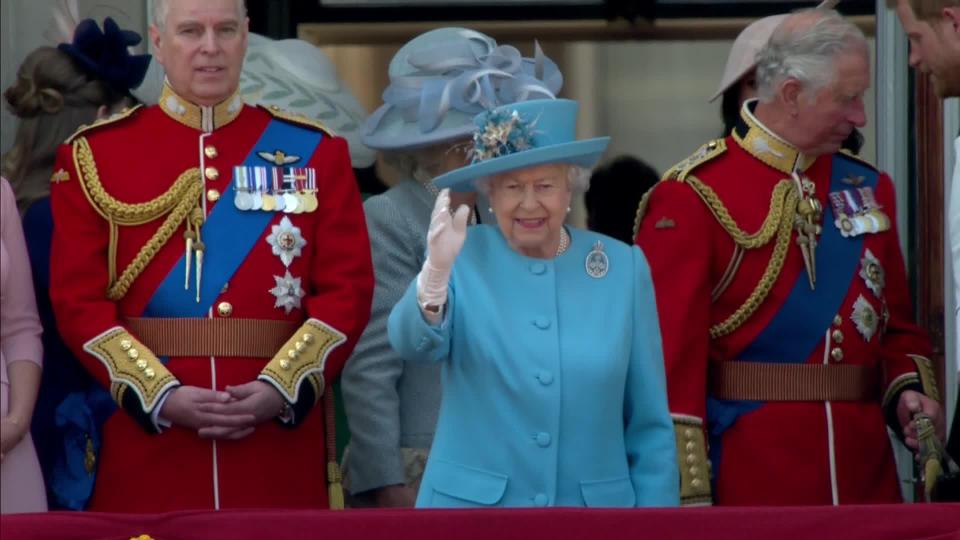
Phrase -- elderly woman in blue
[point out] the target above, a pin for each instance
(553, 380)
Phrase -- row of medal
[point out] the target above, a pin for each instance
(857, 212)
(292, 190)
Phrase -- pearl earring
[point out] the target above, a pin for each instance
(568, 209)
(490, 209)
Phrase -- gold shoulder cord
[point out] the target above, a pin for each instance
(779, 222)
(176, 203)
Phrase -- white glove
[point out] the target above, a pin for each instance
(444, 240)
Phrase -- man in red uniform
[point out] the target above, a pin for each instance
(213, 272)
(783, 301)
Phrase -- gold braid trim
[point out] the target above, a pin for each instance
(170, 225)
(771, 223)
(120, 212)
(770, 275)
(641, 210)
(176, 203)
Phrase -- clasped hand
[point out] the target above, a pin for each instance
(232, 414)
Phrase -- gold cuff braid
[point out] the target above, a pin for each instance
(302, 357)
(928, 377)
(692, 460)
(131, 366)
(176, 203)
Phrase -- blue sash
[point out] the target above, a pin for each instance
(805, 316)
(228, 234)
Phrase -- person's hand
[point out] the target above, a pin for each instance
(911, 403)
(444, 241)
(396, 496)
(189, 407)
(256, 401)
(12, 431)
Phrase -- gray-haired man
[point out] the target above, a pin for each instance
(795, 316)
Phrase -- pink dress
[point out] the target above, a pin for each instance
(21, 482)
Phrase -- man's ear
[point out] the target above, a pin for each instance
(155, 42)
(790, 93)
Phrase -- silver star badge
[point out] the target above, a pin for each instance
(286, 241)
(865, 318)
(872, 273)
(288, 292)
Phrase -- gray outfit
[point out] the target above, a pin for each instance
(390, 404)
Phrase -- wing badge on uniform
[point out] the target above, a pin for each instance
(60, 176)
(278, 157)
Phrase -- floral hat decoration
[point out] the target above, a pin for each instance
(521, 135)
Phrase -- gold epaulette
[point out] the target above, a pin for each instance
(679, 173)
(112, 119)
(298, 119)
(706, 152)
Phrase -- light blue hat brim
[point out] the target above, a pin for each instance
(583, 153)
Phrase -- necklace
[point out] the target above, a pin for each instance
(564, 241)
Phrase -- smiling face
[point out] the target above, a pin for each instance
(530, 206)
(201, 46)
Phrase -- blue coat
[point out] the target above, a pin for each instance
(553, 381)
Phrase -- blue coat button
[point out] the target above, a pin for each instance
(541, 500)
(538, 268)
(545, 378)
(543, 439)
(542, 323)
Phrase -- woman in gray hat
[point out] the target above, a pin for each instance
(438, 82)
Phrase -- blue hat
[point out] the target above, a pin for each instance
(105, 54)
(524, 135)
(441, 79)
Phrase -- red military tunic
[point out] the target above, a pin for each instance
(105, 173)
(714, 301)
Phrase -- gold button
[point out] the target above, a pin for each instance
(150, 373)
(695, 482)
(691, 459)
(141, 365)
(133, 354)
(712, 144)
(126, 344)
(694, 471)
(224, 309)
(837, 336)
(688, 433)
(690, 447)
(211, 173)
(210, 151)
(299, 346)
(213, 195)
(292, 354)
(285, 364)
(837, 320)
(837, 355)
(308, 338)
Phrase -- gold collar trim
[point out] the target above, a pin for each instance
(199, 117)
(765, 145)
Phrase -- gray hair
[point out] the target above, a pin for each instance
(804, 47)
(161, 8)
(578, 180)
